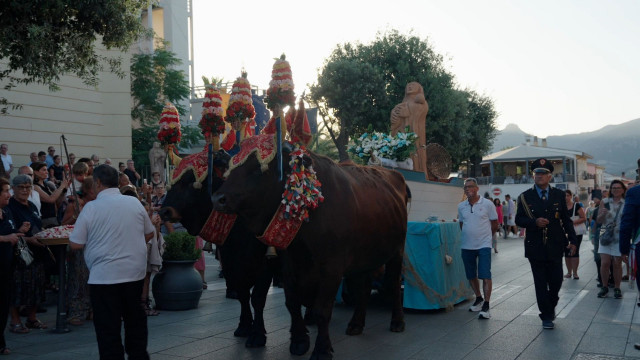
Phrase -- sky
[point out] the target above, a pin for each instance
(551, 67)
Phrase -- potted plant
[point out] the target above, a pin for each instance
(178, 286)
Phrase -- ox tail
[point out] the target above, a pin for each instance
(407, 198)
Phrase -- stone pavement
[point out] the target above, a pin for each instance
(587, 327)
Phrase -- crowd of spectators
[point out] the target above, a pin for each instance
(48, 192)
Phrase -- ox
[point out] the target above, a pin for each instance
(242, 256)
(360, 226)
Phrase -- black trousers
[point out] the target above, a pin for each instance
(5, 294)
(547, 278)
(113, 304)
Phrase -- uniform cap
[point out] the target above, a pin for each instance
(542, 165)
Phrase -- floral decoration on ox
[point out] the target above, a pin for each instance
(212, 122)
(302, 191)
(381, 145)
(240, 110)
(169, 132)
(280, 92)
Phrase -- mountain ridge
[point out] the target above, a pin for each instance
(616, 147)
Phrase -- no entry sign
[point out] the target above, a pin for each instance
(497, 191)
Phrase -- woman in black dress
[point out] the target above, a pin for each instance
(9, 235)
(28, 281)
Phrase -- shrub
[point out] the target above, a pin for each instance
(180, 246)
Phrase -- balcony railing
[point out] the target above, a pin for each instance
(522, 179)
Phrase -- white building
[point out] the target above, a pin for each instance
(93, 120)
(509, 171)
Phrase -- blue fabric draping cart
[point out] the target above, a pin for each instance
(429, 282)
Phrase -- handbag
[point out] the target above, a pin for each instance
(23, 253)
(580, 229)
(607, 232)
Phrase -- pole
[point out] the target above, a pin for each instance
(76, 209)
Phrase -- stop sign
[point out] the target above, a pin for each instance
(497, 192)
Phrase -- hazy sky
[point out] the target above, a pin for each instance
(551, 67)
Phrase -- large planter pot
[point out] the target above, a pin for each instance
(177, 286)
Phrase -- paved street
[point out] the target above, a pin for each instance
(587, 327)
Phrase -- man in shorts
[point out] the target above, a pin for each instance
(478, 221)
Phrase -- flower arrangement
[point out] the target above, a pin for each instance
(212, 123)
(169, 132)
(280, 92)
(302, 190)
(240, 103)
(381, 145)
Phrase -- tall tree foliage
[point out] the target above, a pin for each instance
(360, 84)
(154, 81)
(43, 40)
(481, 115)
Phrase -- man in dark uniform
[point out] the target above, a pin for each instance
(542, 210)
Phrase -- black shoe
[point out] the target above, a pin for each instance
(637, 346)
(477, 305)
(603, 292)
(548, 324)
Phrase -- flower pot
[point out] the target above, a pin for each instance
(177, 286)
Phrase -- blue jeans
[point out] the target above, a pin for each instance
(477, 263)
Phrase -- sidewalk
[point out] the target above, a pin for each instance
(586, 328)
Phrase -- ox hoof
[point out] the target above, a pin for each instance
(256, 340)
(242, 331)
(397, 326)
(299, 347)
(353, 330)
(321, 356)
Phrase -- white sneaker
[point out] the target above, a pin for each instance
(485, 313)
(477, 305)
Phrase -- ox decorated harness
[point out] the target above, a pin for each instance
(302, 191)
(218, 225)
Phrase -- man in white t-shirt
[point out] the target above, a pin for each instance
(478, 221)
(6, 159)
(113, 230)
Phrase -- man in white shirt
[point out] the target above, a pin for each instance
(478, 221)
(113, 230)
(511, 228)
(6, 159)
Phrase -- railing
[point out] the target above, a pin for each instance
(199, 91)
(521, 179)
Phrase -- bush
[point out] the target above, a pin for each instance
(180, 246)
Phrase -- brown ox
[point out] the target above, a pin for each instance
(360, 226)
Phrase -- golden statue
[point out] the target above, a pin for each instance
(412, 112)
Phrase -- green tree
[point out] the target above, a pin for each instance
(387, 65)
(41, 41)
(154, 81)
(481, 116)
(345, 97)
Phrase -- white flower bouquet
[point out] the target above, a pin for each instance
(380, 145)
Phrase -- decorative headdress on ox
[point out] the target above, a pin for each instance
(240, 113)
(280, 92)
(212, 122)
(169, 132)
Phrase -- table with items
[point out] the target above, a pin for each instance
(434, 276)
